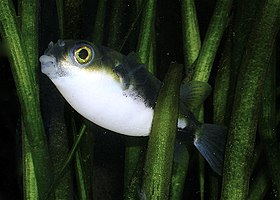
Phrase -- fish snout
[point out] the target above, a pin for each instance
(48, 61)
(48, 64)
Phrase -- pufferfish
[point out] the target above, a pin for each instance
(117, 93)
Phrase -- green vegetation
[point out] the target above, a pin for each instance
(159, 157)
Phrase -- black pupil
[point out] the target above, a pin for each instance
(83, 54)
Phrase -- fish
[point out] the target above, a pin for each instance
(118, 93)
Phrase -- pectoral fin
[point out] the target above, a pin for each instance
(193, 94)
(131, 72)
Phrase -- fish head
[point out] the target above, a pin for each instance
(68, 58)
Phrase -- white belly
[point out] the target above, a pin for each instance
(100, 99)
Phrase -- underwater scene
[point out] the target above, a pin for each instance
(139, 100)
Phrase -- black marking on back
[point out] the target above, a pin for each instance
(143, 82)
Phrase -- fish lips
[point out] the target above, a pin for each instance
(50, 67)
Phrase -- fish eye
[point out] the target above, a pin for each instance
(83, 54)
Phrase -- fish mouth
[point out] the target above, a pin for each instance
(47, 61)
(48, 65)
(51, 67)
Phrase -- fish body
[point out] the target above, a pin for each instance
(115, 92)
(101, 92)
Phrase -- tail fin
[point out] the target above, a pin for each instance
(210, 141)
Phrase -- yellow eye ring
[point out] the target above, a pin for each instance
(83, 55)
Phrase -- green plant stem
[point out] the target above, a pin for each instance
(116, 20)
(138, 4)
(241, 28)
(27, 94)
(225, 80)
(84, 164)
(267, 126)
(134, 150)
(29, 179)
(145, 36)
(214, 187)
(191, 39)
(243, 123)
(60, 15)
(132, 27)
(29, 26)
(201, 162)
(223, 89)
(179, 172)
(83, 191)
(191, 36)
(134, 159)
(132, 179)
(151, 66)
(218, 23)
(131, 155)
(222, 93)
(67, 161)
(72, 25)
(159, 157)
(59, 147)
(29, 30)
(231, 58)
(259, 186)
(98, 31)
